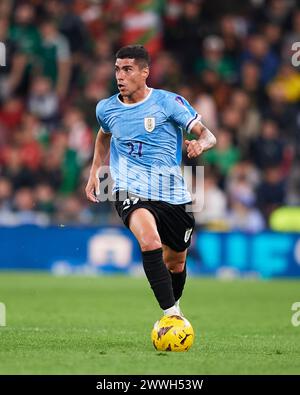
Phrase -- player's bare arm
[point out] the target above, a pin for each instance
(206, 140)
(101, 151)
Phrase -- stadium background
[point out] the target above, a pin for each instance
(233, 61)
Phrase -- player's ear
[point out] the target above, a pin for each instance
(145, 72)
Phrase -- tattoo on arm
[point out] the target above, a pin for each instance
(206, 138)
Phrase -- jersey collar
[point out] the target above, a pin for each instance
(137, 103)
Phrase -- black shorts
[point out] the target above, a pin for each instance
(175, 225)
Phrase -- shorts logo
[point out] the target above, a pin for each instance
(149, 124)
(187, 235)
(130, 201)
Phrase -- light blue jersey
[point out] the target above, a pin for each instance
(146, 144)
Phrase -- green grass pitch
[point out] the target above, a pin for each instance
(102, 325)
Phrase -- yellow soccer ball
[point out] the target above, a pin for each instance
(172, 333)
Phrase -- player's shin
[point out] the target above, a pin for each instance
(178, 282)
(159, 278)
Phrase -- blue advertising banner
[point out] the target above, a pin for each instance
(65, 250)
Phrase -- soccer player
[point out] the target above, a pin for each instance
(142, 128)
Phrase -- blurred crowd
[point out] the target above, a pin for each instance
(231, 61)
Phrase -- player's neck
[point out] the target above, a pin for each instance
(137, 96)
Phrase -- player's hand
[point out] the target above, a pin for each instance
(92, 188)
(193, 148)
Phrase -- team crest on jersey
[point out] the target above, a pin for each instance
(149, 124)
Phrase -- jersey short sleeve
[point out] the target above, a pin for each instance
(100, 115)
(181, 112)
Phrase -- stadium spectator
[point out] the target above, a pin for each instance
(233, 31)
(273, 34)
(11, 74)
(268, 149)
(25, 35)
(242, 214)
(250, 75)
(287, 81)
(67, 162)
(6, 196)
(249, 119)
(204, 102)
(259, 52)
(6, 192)
(243, 170)
(10, 117)
(50, 170)
(284, 113)
(79, 134)
(43, 102)
(214, 59)
(225, 155)
(44, 196)
(54, 57)
(186, 41)
(293, 186)
(30, 149)
(271, 192)
(69, 211)
(24, 209)
(213, 214)
(14, 169)
(275, 12)
(166, 71)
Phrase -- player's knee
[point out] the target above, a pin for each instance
(149, 242)
(176, 267)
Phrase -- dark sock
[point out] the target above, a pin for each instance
(159, 277)
(178, 281)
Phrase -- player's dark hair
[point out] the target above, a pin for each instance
(136, 52)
